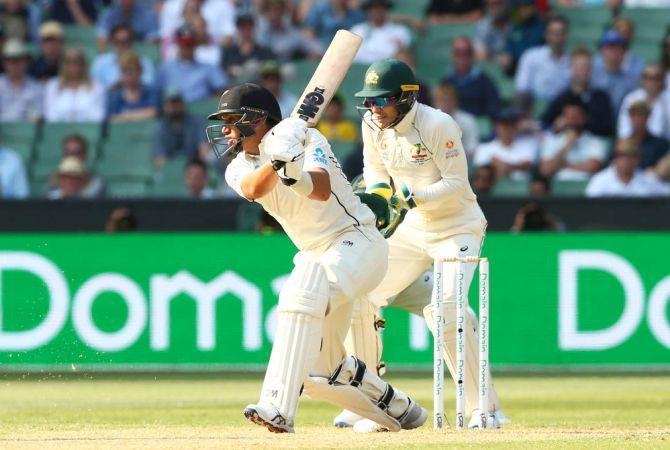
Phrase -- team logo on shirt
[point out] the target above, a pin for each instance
(320, 156)
(419, 153)
(449, 145)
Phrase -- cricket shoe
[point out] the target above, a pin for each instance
(413, 418)
(346, 419)
(492, 423)
(268, 417)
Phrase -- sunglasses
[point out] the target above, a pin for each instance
(379, 102)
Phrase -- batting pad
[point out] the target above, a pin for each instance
(471, 354)
(364, 339)
(302, 306)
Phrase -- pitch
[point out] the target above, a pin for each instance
(204, 411)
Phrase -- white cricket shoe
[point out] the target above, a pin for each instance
(346, 419)
(498, 418)
(268, 417)
(415, 417)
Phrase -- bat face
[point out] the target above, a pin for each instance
(312, 103)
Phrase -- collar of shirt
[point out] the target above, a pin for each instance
(474, 73)
(408, 121)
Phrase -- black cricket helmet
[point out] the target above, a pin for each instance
(244, 106)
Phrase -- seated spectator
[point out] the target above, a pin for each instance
(491, 31)
(626, 29)
(325, 17)
(13, 177)
(624, 178)
(610, 71)
(242, 55)
(196, 178)
(271, 79)
(334, 126)
(381, 38)
(73, 96)
(665, 56)
(453, 11)
(76, 146)
(600, 120)
(544, 71)
(408, 56)
(572, 153)
(477, 93)
(445, 98)
(132, 99)
(80, 12)
(652, 148)
(20, 95)
(534, 217)
(106, 69)
(140, 16)
(656, 97)
(527, 31)
(121, 220)
(219, 16)
(483, 180)
(72, 179)
(52, 44)
(207, 51)
(195, 81)
(539, 185)
(19, 19)
(287, 42)
(178, 133)
(510, 154)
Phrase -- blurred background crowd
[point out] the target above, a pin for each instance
(108, 98)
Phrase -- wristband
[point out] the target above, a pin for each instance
(304, 186)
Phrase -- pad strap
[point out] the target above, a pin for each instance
(386, 399)
(357, 380)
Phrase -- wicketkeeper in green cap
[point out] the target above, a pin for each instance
(413, 156)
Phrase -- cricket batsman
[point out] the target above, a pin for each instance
(291, 171)
(413, 156)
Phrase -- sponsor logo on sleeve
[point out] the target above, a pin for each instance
(320, 156)
(452, 150)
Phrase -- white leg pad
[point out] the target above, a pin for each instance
(364, 339)
(301, 309)
(471, 354)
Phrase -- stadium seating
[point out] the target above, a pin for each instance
(169, 182)
(507, 187)
(84, 37)
(20, 137)
(121, 188)
(568, 188)
(49, 145)
(434, 49)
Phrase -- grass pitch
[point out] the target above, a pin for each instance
(205, 411)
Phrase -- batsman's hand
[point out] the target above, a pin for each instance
(286, 147)
(405, 198)
(290, 130)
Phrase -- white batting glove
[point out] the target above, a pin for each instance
(290, 129)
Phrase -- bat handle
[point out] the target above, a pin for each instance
(278, 165)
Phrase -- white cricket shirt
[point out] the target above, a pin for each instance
(308, 223)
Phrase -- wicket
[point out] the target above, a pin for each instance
(461, 320)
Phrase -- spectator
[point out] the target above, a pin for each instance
(19, 19)
(140, 16)
(539, 185)
(196, 177)
(652, 148)
(325, 17)
(510, 153)
(52, 42)
(381, 38)
(121, 220)
(13, 178)
(665, 56)
(454, 11)
(80, 12)
(73, 96)
(334, 126)
(219, 16)
(656, 97)
(271, 79)
(626, 29)
(105, 68)
(131, 99)
(572, 153)
(545, 71)
(600, 120)
(534, 217)
(527, 31)
(477, 93)
(242, 55)
(624, 178)
(195, 81)
(208, 51)
(408, 56)
(491, 31)
(483, 180)
(610, 71)
(178, 133)
(276, 32)
(445, 98)
(72, 179)
(76, 146)
(20, 95)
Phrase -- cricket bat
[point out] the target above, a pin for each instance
(327, 77)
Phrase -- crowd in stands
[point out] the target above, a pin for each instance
(545, 104)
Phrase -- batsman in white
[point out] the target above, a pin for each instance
(418, 149)
(291, 171)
